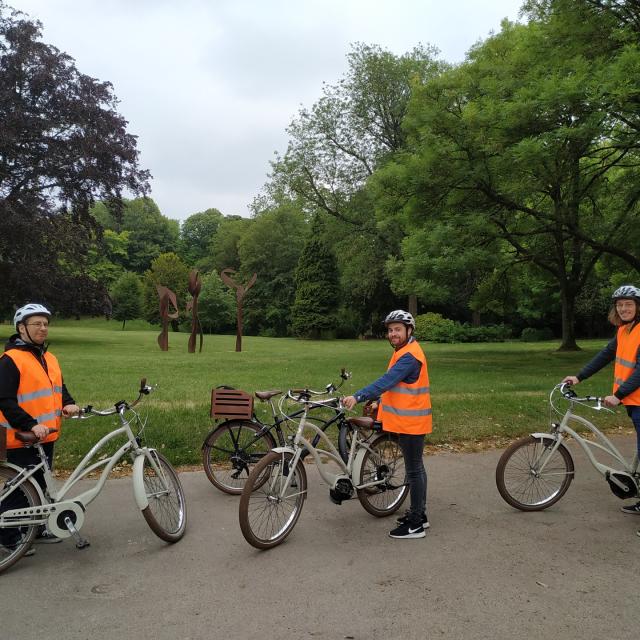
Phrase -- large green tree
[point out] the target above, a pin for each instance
(62, 145)
(126, 296)
(522, 135)
(196, 234)
(313, 313)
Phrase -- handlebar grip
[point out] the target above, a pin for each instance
(143, 386)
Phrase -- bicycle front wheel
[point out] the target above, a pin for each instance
(231, 450)
(270, 509)
(383, 463)
(531, 476)
(15, 541)
(167, 510)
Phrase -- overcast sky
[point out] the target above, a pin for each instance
(209, 86)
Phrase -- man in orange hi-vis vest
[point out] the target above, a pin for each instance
(33, 397)
(625, 350)
(404, 407)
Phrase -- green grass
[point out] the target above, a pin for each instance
(479, 391)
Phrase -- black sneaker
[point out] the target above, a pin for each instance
(407, 531)
(405, 519)
(633, 509)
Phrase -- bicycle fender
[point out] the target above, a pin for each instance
(138, 484)
(36, 485)
(543, 436)
(284, 450)
(357, 465)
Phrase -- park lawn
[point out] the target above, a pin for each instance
(479, 392)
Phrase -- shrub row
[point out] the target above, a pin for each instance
(433, 327)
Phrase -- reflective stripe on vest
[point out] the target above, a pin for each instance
(626, 359)
(39, 393)
(406, 408)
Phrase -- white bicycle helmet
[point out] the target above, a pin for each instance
(29, 310)
(626, 292)
(400, 316)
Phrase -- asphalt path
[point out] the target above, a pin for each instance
(484, 570)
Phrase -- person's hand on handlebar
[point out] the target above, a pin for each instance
(611, 401)
(70, 410)
(349, 402)
(570, 380)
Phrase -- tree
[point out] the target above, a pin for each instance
(62, 146)
(223, 248)
(126, 296)
(317, 294)
(216, 305)
(196, 235)
(271, 247)
(149, 233)
(521, 134)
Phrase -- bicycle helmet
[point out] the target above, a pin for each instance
(29, 310)
(400, 316)
(626, 292)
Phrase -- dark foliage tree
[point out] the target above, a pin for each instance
(62, 145)
(126, 295)
(317, 292)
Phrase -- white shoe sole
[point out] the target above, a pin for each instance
(409, 536)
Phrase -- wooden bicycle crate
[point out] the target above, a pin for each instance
(231, 403)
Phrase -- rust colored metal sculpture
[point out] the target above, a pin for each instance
(241, 291)
(166, 297)
(195, 286)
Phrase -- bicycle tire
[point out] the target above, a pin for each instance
(266, 518)
(518, 482)
(383, 460)
(166, 514)
(226, 454)
(29, 498)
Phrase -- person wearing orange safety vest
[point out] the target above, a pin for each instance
(625, 350)
(33, 397)
(404, 407)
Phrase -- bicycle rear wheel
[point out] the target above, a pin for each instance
(383, 461)
(167, 510)
(230, 451)
(16, 541)
(530, 476)
(267, 512)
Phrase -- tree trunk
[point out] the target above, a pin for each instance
(568, 299)
(413, 305)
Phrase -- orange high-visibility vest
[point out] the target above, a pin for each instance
(407, 407)
(626, 358)
(39, 393)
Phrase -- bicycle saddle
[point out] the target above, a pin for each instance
(267, 395)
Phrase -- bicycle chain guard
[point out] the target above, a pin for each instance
(630, 488)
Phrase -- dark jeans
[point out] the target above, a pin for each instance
(412, 450)
(23, 457)
(634, 413)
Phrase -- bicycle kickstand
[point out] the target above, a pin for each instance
(81, 543)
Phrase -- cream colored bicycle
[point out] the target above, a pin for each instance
(24, 507)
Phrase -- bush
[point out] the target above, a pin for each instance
(530, 334)
(432, 327)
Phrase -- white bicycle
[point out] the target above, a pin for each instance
(536, 471)
(275, 491)
(24, 507)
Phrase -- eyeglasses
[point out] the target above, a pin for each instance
(39, 325)
(626, 305)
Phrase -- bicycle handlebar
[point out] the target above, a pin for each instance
(89, 411)
(569, 394)
(330, 388)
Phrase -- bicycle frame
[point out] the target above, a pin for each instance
(57, 495)
(559, 432)
(349, 470)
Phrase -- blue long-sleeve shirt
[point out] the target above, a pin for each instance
(407, 369)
